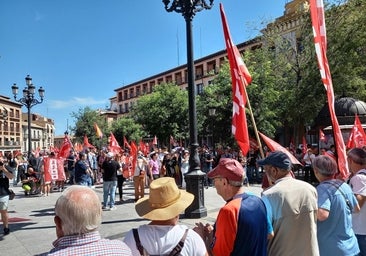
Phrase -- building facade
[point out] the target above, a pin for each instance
(207, 68)
(14, 129)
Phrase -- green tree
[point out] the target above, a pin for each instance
(84, 125)
(127, 127)
(164, 112)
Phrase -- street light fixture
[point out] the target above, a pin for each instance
(194, 177)
(28, 101)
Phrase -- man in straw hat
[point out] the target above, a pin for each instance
(163, 234)
(293, 209)
(242, 226)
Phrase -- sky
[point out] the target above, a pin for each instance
(80, 51)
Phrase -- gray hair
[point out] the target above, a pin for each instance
(325, 165)
(80, 210)
(236, 183)
(358, 155)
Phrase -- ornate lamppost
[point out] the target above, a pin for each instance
(28, 101)
(194, 177)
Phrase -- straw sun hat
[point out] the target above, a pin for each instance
(165, 200)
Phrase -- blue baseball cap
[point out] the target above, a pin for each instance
(276, 159)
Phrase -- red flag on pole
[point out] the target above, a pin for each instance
(357, 137)
(98, 132)
(273, 146)
(320, 40)
(65, 147)
(125, 143)
(240, 78)
(113, 144)
(86, 143)
(133, 154)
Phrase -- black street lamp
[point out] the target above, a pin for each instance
(194, 178)
(28, 101)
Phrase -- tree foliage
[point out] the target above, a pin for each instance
(84, 125)
(128, 128)
(164, 112)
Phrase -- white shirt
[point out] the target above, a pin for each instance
(159, 240)
(358, 185)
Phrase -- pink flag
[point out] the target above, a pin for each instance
(320, 40)
(240, 78)
(273, 146)
(357, 137)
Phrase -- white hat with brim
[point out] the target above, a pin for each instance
(165, 200)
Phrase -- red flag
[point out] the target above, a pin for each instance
(322, 136)
(78, 147)
(98, 132)
(357, 137)
(240, 78)
(125, 143)
(65, 147)
(53, 169)
(133, 155)
(272, 145)
(113, 145)
(155, 141)
(86, 143)
(143, 148)
(304, 145)
(320, 40)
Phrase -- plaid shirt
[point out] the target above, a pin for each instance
(88, 244)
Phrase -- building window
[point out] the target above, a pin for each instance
(125, 95)
(126, 107)
(120, 96)
(199, 88)
(178, 78)
(199, 71)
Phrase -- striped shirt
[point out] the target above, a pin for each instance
(88, 244)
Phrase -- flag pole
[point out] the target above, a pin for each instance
(253, 122)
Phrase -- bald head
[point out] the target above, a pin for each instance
(79, 210)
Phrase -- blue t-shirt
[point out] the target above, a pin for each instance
(253, 227)
(335, 234)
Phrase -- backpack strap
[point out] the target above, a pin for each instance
(178, 248)
(137, 240)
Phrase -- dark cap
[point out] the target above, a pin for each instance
(228, 168)
(277, 159)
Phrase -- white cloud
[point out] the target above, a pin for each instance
(75, 102)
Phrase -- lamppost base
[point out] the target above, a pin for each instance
(194, 181)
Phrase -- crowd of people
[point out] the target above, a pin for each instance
(292, 216)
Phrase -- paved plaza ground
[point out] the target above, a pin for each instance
(32, 230)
